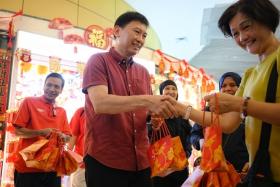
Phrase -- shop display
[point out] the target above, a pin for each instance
(33, 61)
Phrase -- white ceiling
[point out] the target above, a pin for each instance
(188, 30)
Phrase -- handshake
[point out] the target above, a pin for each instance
(164, 107)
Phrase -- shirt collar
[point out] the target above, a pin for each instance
(120, 59)
(46, 101)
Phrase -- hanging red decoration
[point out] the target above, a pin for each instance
(202, 71)
(161, 66)
(24, 55)
(204, 81)
(73, 39)
(210, 86)
(11, 27)
(25, 67)
(96, 36)
(54, 64)
(186, 72)
(193, 80)
(180, 70)
(42, 70)
(60, 24)
(171, 70)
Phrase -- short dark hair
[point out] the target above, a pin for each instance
(130, 16)
(56, 75)
(262, 11)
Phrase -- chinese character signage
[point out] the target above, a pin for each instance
(5, 70)
(96, 36)
(54, 64)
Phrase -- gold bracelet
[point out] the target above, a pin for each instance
(188, 112)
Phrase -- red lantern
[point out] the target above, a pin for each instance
(193, 80)
(161, 66)
(186, 72)
(73, 39)
(171, 70)
(180, 70)
(60, 24)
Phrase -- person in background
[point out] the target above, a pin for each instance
(118, 98)
(177, 127)
(77, 125)
(233, 144)
(37, 117)
(252, 25)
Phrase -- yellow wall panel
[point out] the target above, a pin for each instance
(10, 5)
(87, 18)
(51, 9)
(106, 8)
(89, 12)
(74, 1)
(152, 40)
(122, 7)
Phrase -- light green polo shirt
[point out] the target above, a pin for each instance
(254, 84)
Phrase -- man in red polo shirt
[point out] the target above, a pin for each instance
(77, 125)
(118, 97)
(39, 116)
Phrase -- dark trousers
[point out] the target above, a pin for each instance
(42, 179)
(98, 175)
(175, 179)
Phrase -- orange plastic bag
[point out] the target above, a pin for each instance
(66, 164)
(29, 152)
(166, 154)
(215, 170)
(43, 154)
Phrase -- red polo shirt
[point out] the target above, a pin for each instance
(36, 113)
(77, 125)
(120, 140)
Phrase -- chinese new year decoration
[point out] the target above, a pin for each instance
(42, 70)
(24, 58)
(74, 39)
(80, 68)
(54, 64)
(60, 24)
(5, 71)
(96, 36)
(187, 73)
(11, 27)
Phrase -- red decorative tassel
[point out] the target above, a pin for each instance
(10, 34)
